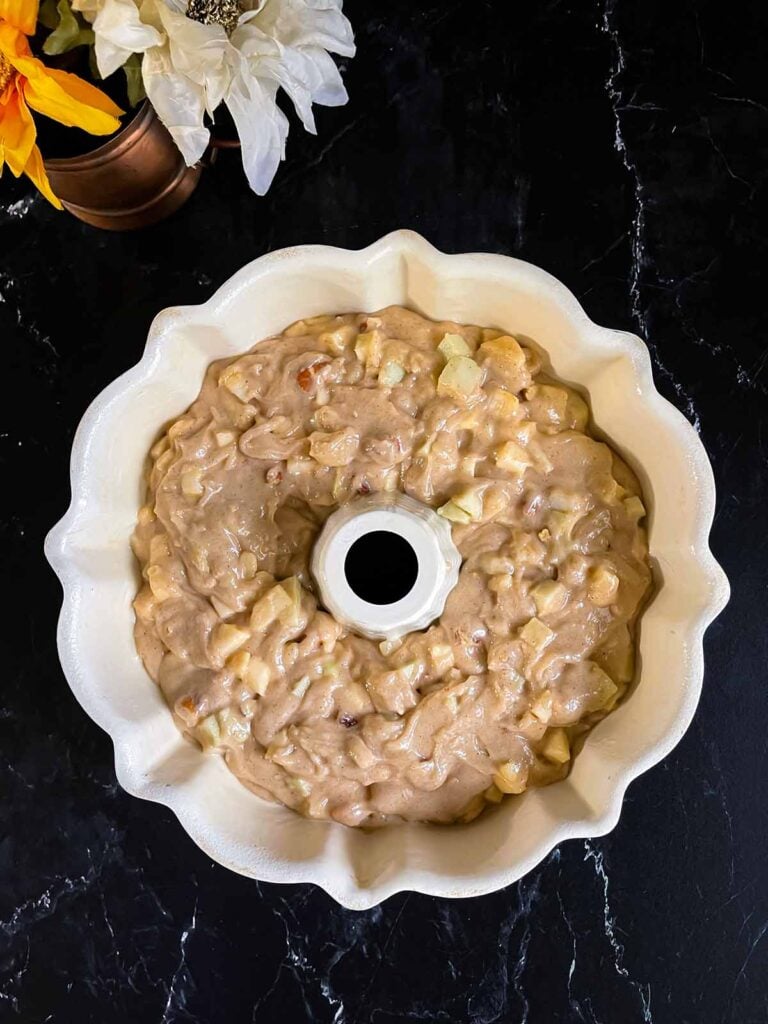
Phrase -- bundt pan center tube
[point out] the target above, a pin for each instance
(384, 565)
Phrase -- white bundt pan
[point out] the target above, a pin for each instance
(89, 550)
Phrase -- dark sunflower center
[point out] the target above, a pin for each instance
(215, 12)
(6, 72)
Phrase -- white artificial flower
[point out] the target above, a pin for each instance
(118, 31)
(186, 76)
(200, 53)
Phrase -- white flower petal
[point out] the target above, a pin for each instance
(202, 53)
(308, 75)
(119, 32)
(109, 57)
(180, 104)
(262, 128)
(87, 7)
(269, 61)
(307, 23)
(323, 79)
(250, 41)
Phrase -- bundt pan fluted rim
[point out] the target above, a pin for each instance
(89, 550)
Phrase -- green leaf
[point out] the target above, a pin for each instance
(48, 15)
(69, 32)
(133, 79)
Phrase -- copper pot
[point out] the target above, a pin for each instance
(135, 179)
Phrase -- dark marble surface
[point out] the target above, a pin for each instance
(622, 146)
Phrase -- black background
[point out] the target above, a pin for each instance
(621, 147)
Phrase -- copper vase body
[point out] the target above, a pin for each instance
(135, 179)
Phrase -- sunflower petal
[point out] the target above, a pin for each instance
(22, 14)
(84, 92)
(67, 98)
(17, 132)
(13, 43)
(35, 171)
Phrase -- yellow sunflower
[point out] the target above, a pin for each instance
(26, 82)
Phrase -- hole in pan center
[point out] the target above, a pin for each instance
(381, 567)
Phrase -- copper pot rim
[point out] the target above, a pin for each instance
(119, 144)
